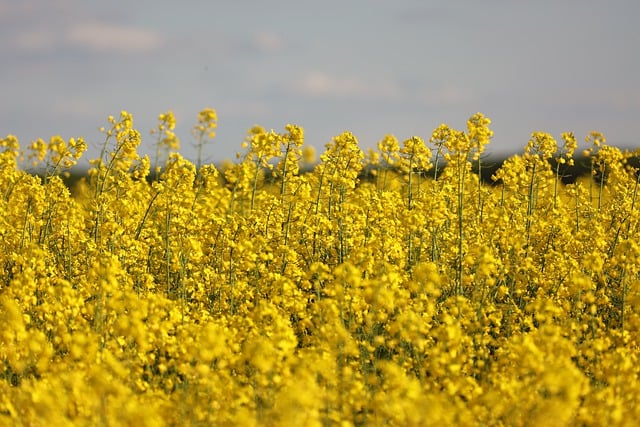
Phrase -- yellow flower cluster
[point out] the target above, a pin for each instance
(393, 288)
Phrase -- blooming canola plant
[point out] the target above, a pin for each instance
(163, 292)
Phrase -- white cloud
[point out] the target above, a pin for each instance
(106, 38)
(76, 106)
(321, 85)
(16, 10)
(269, 42)
(449, 95)
(34, 41)
(623, 100)
(235, 108)
(32, 33)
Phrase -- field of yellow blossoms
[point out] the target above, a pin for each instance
(388, 287)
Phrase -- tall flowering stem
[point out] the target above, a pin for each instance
(540, 148)
(564, 157)
(458, 147)
(479, 137)
(415, 162)
(204, 131)
(166, 139)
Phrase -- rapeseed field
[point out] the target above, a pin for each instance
(387, 287)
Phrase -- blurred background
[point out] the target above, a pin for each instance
(372, 67)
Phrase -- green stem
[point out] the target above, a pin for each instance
(461, 176)
(284, 172)
(480, 187)
(167, 243)
(601, 187)
(530, 202)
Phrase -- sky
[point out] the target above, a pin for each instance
(372, 67)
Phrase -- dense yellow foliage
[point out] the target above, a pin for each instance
(255, 294)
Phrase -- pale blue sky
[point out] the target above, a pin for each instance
(372, 67)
